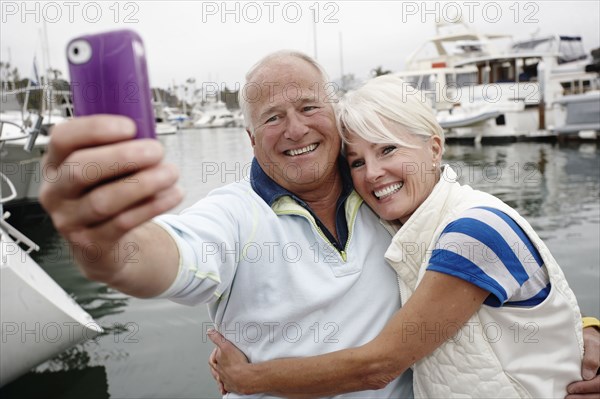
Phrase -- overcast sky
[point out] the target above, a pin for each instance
(217, 43)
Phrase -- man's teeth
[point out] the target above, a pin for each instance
(301, 151)
(389, 190)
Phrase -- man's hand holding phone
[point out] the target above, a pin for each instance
(101, 189)
(100, 185)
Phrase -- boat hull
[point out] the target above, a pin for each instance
(23, 169)
(39, 319)
(579, 116)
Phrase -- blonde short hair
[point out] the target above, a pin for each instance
(386, 98)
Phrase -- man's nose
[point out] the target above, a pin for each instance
(296, 127)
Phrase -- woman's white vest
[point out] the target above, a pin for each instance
(506, 352)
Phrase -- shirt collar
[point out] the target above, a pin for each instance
(270, 191)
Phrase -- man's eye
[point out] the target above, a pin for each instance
(272, 119)
(309, 108)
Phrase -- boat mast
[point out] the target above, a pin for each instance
(341, 58)
(314, 20)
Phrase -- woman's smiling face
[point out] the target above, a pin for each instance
(394, 179)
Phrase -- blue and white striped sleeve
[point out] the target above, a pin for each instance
(487, 248)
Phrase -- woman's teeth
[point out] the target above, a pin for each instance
(301, 151)
(389, 190)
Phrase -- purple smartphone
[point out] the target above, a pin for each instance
(109, 76)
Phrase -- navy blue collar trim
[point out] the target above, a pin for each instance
(270, 191)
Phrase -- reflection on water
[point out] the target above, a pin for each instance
(158, 349)
(557, 188)
(539, 180)
(75, 358)
(86, 383)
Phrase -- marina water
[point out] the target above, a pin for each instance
(155, 348)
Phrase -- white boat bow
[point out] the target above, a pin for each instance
(39, 319)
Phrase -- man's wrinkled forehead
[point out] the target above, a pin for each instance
(268, 92)
(291, 78)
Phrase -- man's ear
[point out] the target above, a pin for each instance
(251, 137)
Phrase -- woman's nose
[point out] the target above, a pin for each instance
(374, 171)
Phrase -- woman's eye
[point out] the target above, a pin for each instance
(388, 149)
(357, 163)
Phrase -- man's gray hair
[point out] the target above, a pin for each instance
(276, 56)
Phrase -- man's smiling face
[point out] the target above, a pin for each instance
(294, 136)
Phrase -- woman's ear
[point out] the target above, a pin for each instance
(436, 148)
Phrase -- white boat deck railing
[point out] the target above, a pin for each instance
(16, 234)
(16, 137)
(30, 134)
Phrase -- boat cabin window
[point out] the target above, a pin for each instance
(483, 74)
(507, 71)
(570, 49)
(413, 81)
(466, 79)
(495, 72)
(503, 72)
(577, 86)
(529, 72)
(421, 82)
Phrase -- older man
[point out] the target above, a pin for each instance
(290, 263)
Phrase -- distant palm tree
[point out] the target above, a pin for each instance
(379, 71)
(7, 76)
(15, 75)
(4, 71)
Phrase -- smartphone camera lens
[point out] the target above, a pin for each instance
(79, 52)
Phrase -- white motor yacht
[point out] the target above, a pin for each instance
(162, 124)
(431, 68)
(515, 92)
(215, 114)
(577, 111)
(176, 117)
